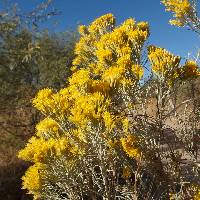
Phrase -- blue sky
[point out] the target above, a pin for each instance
(73, 12)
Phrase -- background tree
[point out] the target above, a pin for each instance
(31, 58)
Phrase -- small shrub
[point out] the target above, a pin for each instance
(98, 140)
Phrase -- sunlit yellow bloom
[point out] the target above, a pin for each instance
(104, 71)
(189, 70)
(125, 59)
(176, 22)
(39, 149)
(196, 189)
(43, 99)
(77, 62)
(75, 92)
(129, 145)
(102, 24)
(52, 103)
(79, 134)
(129, 24)
(99, 86)
(88, 107)
(36, 150)
(138, 71)
(144, 26)
(80, 78)
(47, 128)
(104, 56)
(83, 30)
(138, 36)
(113, 143)
(109, 120)
(103, 46)
(81, 46)
(126, 124)
(62, 146)
(181, 9)
(163, 62)
(114, 74)
(32, 179)
(61, 103)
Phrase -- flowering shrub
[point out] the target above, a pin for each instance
(98, 140)
(184, 13)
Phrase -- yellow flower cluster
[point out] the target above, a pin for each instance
(43, 100)
(114, 75)
(102, 25)
(108, 61)
(138, 71)
(130, 146)
(88, 108)
(180, 9)
(189, 70)
(107, 57)
(38, 150)
(80, 78)
(163, 62)
(99, 86)
(197, 194)
(167, 66)
(32, 179)
(107, 70)
(47, 128)
(109, 120)
(50, 103)
(195, 190)
(85, 48)
(110, 52)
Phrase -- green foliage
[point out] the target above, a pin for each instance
(35, 62)
(30, 58)
(56, 54)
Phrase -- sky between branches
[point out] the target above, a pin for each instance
(73, 12)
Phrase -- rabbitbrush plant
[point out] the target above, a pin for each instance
(99, 140)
